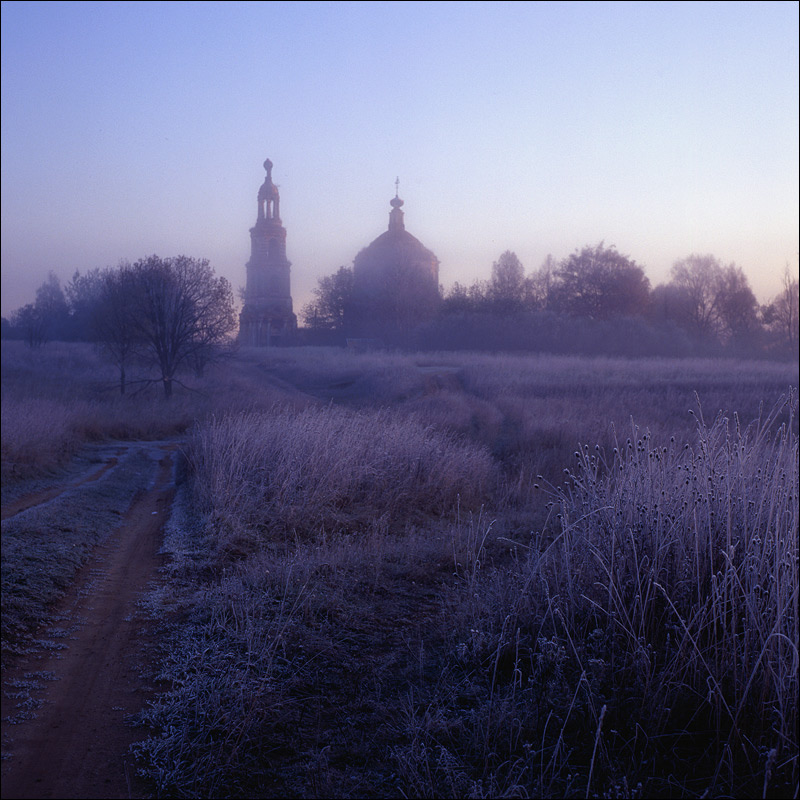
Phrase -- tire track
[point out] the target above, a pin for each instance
(77, 744)
(45, 495)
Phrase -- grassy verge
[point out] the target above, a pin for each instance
(355, 648)
(645, 644)
(398, 575)
(316, 587)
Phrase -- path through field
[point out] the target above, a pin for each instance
(75, 745)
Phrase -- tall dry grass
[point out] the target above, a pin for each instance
(531, 411)
(57, 398)
(644, 643)
(687, 559)
(331, 469)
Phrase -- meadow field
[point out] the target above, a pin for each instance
(455, 574)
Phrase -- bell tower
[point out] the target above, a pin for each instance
(267, 319)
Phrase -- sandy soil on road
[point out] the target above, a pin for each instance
(76, 746)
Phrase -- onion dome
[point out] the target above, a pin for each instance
(396, 278)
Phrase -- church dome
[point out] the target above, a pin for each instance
(393, 250)
(395, 278)
(396, 249)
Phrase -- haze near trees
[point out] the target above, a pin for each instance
(596, 300)
(163, 314)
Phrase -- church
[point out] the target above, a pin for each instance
(395, 281)
(267, 318)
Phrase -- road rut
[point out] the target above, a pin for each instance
(76, 746)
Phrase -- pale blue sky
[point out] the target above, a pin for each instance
(137, 128)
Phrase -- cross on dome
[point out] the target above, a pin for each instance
(396, 202)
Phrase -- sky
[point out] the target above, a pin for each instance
(664, 129)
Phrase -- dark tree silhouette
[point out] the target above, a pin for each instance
(457, 300)
(31, 325)
(698, 278)
(181, 312)
(539, 286)
(331, 308)
(52, 305)
(738, 307)
(717, 301)
(83, 294)
(47, 318)
(507, 286)
(782, 315)
(113, 323)
(600, 283)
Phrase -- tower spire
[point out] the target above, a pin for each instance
(396, 215)
(269, 200)
(267, 318)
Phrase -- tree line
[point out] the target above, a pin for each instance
(159, 316)
(594, 300)
(174, 314)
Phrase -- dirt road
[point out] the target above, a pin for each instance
(76, 743)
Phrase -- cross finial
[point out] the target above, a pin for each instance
(397, 187)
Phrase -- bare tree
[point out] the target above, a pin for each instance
(215, 322)
(45, 319)
(738, 307)
(83, 294)
(113, 323)
(698, 277)
(670, 304)
(782, 315)
(717, 301)
(538, 288)
(479, 295)
(461, 299)
(181, 311)
(457, 300)
(31, 324)
(52, 305)
(789, 309)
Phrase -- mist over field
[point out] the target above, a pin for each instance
(478, 478)
(443, 573)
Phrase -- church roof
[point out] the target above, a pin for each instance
(395, 245)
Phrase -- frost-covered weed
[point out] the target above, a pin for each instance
(325, 467)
